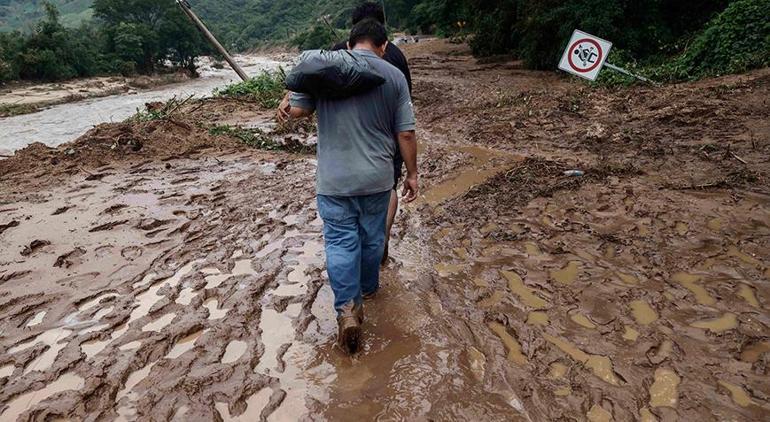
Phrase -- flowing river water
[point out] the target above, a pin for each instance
(65, 122)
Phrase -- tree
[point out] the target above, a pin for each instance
(149, 32)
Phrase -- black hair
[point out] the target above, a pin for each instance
(368, 10)
(368, 30)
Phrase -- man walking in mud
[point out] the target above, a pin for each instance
(394, 56)
(355, 175)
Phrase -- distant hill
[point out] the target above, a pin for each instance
(240, 24)
(23, 14)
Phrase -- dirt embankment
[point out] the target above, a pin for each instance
(158, 271)
(23, 98)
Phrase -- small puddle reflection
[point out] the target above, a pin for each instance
(159, 323)
(241, 267)
(254, 406)
(601, 366)
(663, 391)
(37, 319)
(514, 348)
(21, 403)
(7, 370)
(527, 295)
(630, 334)
(747, 293)
(95, 301)
(184, 345)
(568, 274)
(212, 304)
(93, 347)
(276, 331)
(51, 338)
(690, 282)
(131, 346)
(643, 313)
(538, 319)
(234, 350)
(148, 299)
(724, 323)
(598, 414)
(738, 394)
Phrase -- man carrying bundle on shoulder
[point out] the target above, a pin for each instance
(356, 152)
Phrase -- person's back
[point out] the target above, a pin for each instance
(356, 135)
(355, 176)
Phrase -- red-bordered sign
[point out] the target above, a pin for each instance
(575, 51)
(585, 55)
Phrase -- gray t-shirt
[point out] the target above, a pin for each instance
(356, 134)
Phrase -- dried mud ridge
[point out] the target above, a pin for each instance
(184, 280)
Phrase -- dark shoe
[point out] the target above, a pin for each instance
(349, 326)
(370, 295)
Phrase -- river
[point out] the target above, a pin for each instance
(65, 122)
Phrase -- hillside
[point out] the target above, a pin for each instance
(24, 14)
(240, 24)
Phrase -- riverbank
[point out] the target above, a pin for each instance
(164, 270)
(24, 98)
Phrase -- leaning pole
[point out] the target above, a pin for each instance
(205, 31)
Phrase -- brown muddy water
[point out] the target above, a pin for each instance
(192, 287)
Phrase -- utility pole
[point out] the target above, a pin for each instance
(205, 31)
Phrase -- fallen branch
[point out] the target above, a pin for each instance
(738, 158)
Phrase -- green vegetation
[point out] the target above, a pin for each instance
(160, 111)
(737, 40)
(267, 89)
(251, 137)
(259, 139)
(23, 15)
(668, 40)
(128, 36)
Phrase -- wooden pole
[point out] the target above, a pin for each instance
(205, 31)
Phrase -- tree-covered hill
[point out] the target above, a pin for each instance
(682, 39)
(24, 14)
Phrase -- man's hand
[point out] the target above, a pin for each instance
(411, 188)
(283, 108)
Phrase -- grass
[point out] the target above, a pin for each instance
(258, 139)
(160, 111)
(267, 89)
(9, 110)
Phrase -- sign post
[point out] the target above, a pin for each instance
(586, 55)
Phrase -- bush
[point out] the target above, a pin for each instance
(736, 40)
(267, 89)
(319, 36)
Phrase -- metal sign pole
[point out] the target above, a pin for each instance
(205, 31)
(633, 75)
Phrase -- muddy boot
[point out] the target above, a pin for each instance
(349, 326)
(358, 311)
(370, 295)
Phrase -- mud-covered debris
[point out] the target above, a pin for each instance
(6, 226)
(34, 246)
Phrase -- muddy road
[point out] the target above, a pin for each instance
(155, 271)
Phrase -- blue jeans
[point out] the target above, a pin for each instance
(354, 233)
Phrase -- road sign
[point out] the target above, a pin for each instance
(585, 55)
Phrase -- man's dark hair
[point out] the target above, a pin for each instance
(368, 10)
(368, 30)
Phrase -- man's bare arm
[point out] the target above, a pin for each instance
(286, 111)
(407, 141)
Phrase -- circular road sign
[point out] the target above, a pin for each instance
(585, 55)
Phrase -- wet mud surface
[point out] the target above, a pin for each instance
(184, 280)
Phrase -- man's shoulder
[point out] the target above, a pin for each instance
(388, 69)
